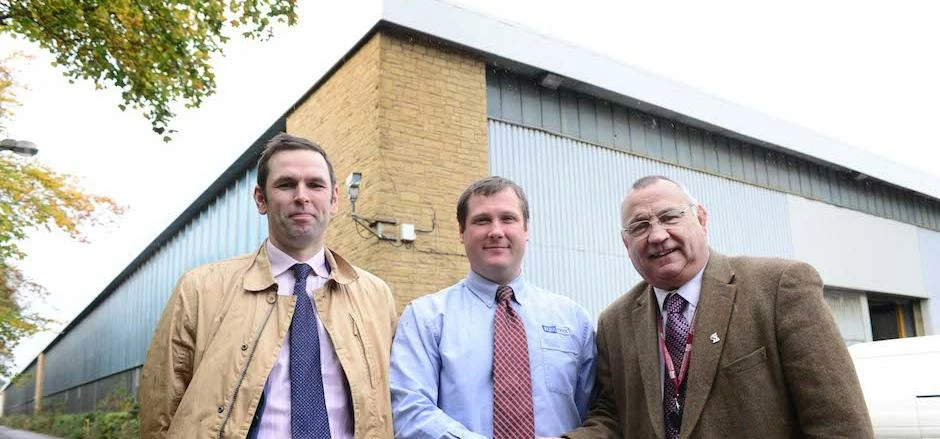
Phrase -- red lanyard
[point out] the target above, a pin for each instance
(667, 359)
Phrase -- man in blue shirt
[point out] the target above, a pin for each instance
(493, 355)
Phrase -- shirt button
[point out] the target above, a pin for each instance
(271, 298)
(221, 409)
(244, 347)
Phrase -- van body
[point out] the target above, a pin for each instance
(901, 382)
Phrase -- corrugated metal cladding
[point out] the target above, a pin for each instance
(88, 397)
(122, 325)
(575, 190)
(19, 396)
(522, 101)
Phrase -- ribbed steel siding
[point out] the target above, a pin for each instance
(521, 101)
(18, 398)
(87, 397)
(575, 190)
(115, 336)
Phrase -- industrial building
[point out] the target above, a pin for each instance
(435, 96)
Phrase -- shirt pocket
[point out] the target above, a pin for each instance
(560, 361)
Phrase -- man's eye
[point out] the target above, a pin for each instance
(670, 217)
(481, 221)
(638, 227)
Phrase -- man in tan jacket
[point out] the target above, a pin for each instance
(289, 341)
(711, 346)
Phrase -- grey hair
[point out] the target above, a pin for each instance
(649, 180)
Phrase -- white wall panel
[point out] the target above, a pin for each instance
(856, 250)
(930, 257)
(575, 190)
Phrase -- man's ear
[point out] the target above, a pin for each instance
(335, 201)
(702, 217)
(260, 200)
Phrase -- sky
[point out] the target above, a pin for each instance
(864, 72)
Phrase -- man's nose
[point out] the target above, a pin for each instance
(496, 230)
(658, 232)
(301, 195)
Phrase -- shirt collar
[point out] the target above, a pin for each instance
(485, 289)
(281, 262)
(690, 291)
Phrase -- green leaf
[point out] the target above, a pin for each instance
(156, 53)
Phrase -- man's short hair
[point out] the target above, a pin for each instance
(487, 187)
(287, 142)
(649, 180)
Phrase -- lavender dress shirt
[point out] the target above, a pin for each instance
(275, 419)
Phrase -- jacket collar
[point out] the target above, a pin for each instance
(258, 277)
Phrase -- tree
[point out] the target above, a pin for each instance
(33, 196)
(7, 86)
(155, 51)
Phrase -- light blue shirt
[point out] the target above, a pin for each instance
(442, 361)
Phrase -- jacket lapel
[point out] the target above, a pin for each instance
(644, 330)
(713, 314)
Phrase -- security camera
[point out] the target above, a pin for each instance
(352, 187)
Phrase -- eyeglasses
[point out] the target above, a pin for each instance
(637, 229)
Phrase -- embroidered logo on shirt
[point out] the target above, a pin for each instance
(553, 329)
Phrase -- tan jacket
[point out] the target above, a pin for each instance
(767, 361)
(221, 332)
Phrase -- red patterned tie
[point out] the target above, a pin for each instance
(512, 384)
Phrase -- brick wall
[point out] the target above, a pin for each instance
(410, 114)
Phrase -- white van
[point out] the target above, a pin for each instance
(901, 382)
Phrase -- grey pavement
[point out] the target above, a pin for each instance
(9, 433)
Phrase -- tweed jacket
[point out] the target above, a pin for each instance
(776, 366)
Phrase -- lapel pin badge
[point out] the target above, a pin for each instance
(714, 338)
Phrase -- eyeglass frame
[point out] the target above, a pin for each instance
(624, 233)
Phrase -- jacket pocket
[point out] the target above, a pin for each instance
(559, 362)
(746, 362)
(363, 348)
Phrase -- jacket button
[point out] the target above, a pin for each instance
(244, 347)
(221, 409)
(271, 298)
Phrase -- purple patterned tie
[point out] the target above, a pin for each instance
(308, 416)
(512, 384)
(677, 329)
